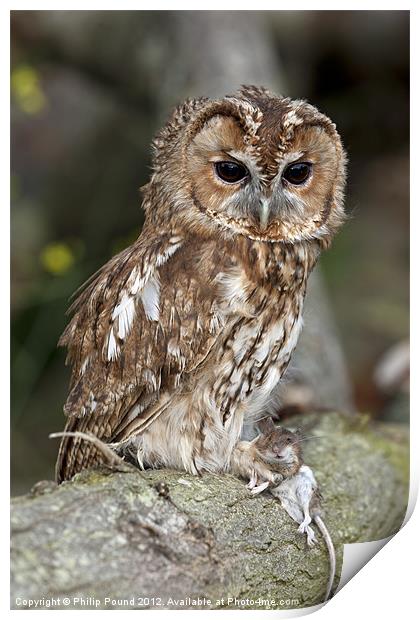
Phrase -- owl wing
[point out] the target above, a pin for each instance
(140, 326)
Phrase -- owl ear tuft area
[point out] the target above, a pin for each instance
(250, 91)
(179, 118)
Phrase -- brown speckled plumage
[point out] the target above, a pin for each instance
(181, 337)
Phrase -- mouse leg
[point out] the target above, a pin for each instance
(306, 518)
(310, 536)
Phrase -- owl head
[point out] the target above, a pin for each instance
(251, 164)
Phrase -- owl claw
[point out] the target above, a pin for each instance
(253, 480)
(260, 488)
(244, 463)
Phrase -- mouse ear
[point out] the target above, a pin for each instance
(266, 425)
(300, 431)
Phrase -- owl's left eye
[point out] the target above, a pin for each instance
(230, 171)
(297, 173)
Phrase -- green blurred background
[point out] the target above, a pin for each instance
(89, 90)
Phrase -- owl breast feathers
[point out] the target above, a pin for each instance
(181, 338)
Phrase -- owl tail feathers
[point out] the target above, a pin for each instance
(109, 457)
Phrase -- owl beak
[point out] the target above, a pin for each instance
(264, 213)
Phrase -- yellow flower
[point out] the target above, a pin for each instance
(57, 258)
(26, 89)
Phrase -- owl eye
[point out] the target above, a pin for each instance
(296, 174)
(230, 171)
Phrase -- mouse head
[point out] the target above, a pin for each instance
(277, 444)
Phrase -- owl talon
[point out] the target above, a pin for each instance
(260, 488)
(253, 480)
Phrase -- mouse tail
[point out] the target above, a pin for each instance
(331, 552)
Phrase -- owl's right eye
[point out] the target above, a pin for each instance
(230, 171)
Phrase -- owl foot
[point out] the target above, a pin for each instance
(253, 481)
(245, 464)
(256, 486)
(260, 488)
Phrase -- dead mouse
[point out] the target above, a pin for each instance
(298, 489)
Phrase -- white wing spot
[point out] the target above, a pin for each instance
(147, 288)
(150, 296)
(125, 312)
(162, 258)
(113, 349)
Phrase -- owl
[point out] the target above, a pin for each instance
(178, 341)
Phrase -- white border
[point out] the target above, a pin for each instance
(386, 586)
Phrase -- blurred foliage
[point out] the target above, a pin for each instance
(26, 89)
(84, 88)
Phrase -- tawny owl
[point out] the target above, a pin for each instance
(180, 339)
